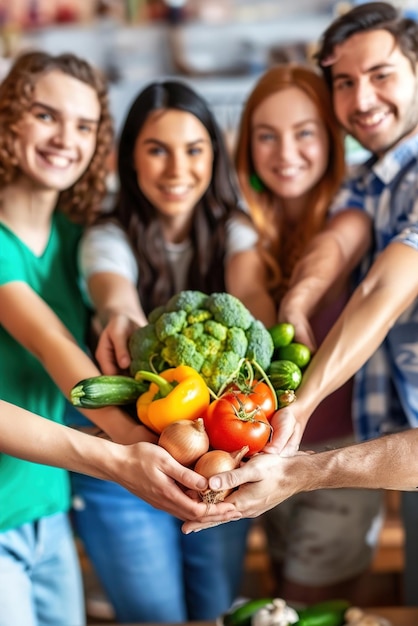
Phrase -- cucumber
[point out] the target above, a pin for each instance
(296, 352)
(284, 374)
(282, 334)
(100, 391)
(243, 614)
(327, 613)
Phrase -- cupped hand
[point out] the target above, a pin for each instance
(112, 352)
(287, 432)
(151, 473)
(264, 481)
(303, 331)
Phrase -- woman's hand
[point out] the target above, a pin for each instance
(151, 473)
(112, 351)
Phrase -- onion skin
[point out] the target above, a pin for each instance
(215, 462)
(185, 440)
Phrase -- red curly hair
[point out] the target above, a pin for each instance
(280, 246)
(81, 201)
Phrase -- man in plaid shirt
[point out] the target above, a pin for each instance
(369, 57)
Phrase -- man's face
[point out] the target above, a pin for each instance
(375, 90)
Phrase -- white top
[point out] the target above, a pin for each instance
(105, 248)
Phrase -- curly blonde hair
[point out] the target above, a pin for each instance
(81, 201)
(281, 246)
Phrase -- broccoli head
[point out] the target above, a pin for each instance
(260, 344)
(210, 333)
(229, 311)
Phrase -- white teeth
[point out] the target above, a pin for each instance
(371, 120)
(178, 190)
(56, 160)
(288, 171)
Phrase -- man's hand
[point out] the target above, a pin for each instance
(264, 481)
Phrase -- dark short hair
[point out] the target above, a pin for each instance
(368, 17)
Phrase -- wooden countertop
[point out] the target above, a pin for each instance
(398, 616)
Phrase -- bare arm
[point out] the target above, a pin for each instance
(147, 470)
(36, 327)
(116, 301)
(330, 258)
(389, 462)
(388, 289)
(245, 278)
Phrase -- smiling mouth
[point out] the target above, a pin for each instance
(175, 190)
(371, 120)
(288, 172)
(56, 160)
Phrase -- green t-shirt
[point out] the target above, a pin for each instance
(29, 491)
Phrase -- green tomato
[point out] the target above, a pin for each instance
(296, 352)
(282, 334)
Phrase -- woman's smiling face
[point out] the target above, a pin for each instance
(289, 143)
(56, 137)
(173, 159)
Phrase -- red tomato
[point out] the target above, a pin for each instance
(234, 420)
(259, 392)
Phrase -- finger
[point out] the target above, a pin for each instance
(233, 478)
(193, 527)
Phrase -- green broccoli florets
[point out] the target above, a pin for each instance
(215, 329)
(187, 301)
(236, 341)
(194, 331)
(169, 324)
(217, 370)
(210, 333)
(179, 350)
(260, 344)
(145, 344)
(229, 311)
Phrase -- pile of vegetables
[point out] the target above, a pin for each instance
(275, 612)
(203, 379)
(211, 333)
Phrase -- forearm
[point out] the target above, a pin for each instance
(387, 291)
(389, 462)
(113, 295)
(36, 439)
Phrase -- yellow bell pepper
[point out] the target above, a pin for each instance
(178, 393)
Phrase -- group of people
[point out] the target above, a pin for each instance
(287, 232)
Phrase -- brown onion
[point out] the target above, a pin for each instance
(185, 440)
(215, 462)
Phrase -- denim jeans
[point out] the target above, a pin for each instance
(150, 570)
(40, 582)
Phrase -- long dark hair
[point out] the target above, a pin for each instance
(139, 217)
(83, 199)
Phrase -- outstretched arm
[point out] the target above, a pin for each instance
(145, 469)
(330, 258)
(389, 462)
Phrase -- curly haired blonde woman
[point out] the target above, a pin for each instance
(290, 163)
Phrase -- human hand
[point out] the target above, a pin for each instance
(303, 331)
(112, 351)
(151, 473)
(264, 481)
(287, 432)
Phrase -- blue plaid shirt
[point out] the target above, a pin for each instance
(386, 387)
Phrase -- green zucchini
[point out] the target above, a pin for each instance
(327, 613)
(100, 391)
(284, 374)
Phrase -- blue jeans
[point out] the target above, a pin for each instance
(40, 581)
(150, 570)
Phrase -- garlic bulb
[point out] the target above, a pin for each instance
(275, 614)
